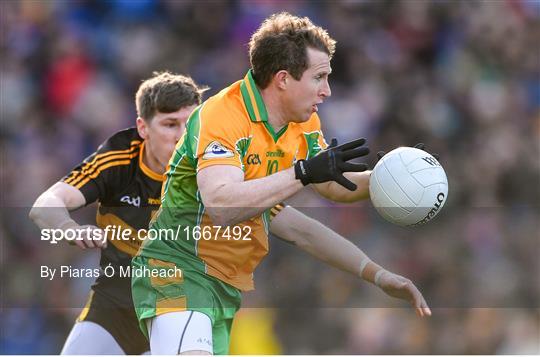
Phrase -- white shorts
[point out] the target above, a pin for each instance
(89, 338)
(177, 332)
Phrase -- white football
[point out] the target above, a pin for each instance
(408, 186)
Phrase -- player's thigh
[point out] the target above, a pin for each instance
(89, 338)
(107, 308)
(180, 332)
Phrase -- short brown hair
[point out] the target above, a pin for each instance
(281, 44)
(166, 93)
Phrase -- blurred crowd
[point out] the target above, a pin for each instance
(461, 76)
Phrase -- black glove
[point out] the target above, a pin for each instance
(330, 164)
(420, 146)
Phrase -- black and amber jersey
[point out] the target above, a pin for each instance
(127, 191)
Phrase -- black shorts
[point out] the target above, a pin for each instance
(118, 318)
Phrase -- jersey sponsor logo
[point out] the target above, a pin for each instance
(253, 159)
(154, 201)
(278, 153)
(216, 150)
(134, 201)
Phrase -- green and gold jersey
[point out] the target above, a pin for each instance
(230, 128)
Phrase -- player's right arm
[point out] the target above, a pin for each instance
(326, 245)
(89, 181)
(229, 199)
(62, 198)
(51, 211)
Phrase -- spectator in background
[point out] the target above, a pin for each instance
(463, 73)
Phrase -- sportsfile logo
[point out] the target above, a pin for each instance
(433, 212)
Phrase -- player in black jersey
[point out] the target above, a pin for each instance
(124, 175)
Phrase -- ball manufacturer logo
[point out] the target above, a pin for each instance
(431, 160)
(432, 212)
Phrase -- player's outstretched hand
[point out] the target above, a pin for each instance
(402, 288)
(89, 231)
(87, 234)
(420, 146)
(330, 164)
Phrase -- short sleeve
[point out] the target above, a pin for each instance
(221, 135)
(96, 177)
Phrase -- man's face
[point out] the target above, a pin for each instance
(305, 95)
(163, 132)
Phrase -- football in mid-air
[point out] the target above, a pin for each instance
(408, 186)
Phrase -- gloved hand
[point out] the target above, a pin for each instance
(420, 146)
(330, 164)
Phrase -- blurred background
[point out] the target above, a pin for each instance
(461, 76)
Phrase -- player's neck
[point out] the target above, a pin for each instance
(276, 116)
(151, 161)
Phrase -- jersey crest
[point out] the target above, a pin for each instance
(216, 150)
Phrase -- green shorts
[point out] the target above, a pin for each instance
(159, 287)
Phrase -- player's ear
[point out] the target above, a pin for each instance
(142, 127)
(281, 78)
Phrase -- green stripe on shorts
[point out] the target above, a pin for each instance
(157, 288)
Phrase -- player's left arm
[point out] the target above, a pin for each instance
(359, 178)
(328, 246)
(336, 192)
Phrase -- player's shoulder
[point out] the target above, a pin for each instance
(113, 162)
(126, 139)
(226, 107)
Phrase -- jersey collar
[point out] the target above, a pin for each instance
(252, 99)
(146, 170)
